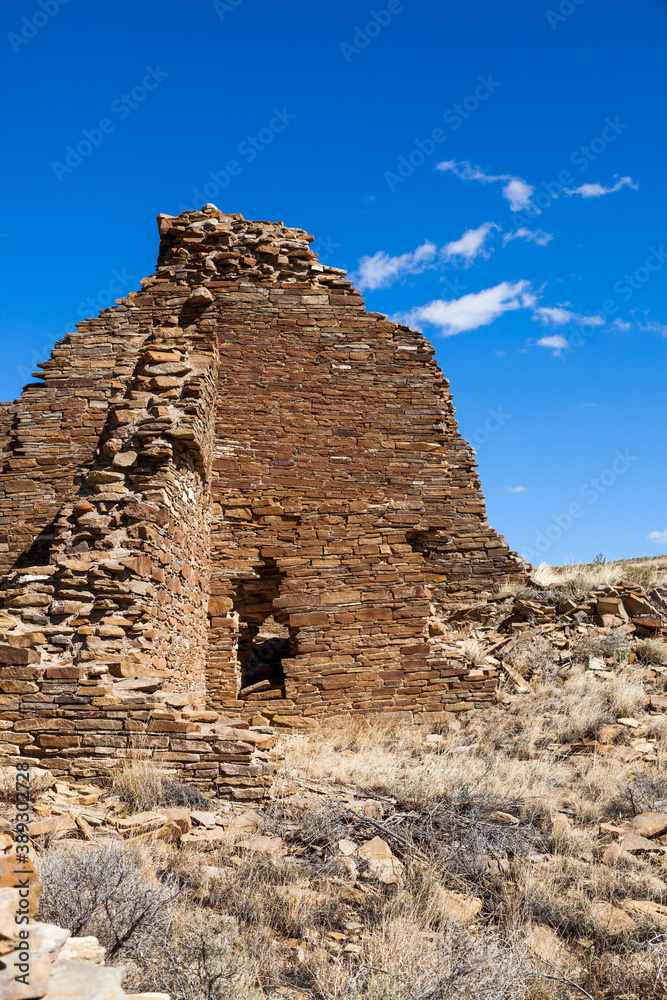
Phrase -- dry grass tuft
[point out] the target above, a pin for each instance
(577, 579)
(143, 786)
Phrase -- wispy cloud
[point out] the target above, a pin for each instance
(515, 489)
(473, 310)
(537, 236)
(470, 245)
(381, 270)
(599, 190)
(516, 190)
(654, 326)
(649, 326)
(560, 316)
(556, 344)
(657, 536)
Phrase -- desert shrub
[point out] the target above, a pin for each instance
(533, 655)
(107, 890)
(652, 652)
(645, 574)
(142, 786)
(202, 958)
(39, 781)
(584, 703)
(612, 645)
(641, 794)
(271, 891)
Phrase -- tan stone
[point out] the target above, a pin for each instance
(545, 943)
(458, 907)
(648, 824)
(608, 919)
(381, 862)
(83, 949)
(263, 845)
(85, 981)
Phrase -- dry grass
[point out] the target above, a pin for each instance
(39, 782)
(475, 651)
(310, 923)
(580, 578)
(143, 786)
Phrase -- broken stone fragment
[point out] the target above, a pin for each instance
(545, 943)
(458, 907)
(125, 458)
(83, 949)
(85, 981)
(381, 861)
(200, 296)
(263, 845)
(608, 919)
(81, 508)
(648, 824)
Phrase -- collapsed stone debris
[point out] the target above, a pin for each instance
(236, 493)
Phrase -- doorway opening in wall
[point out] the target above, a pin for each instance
(265, 637)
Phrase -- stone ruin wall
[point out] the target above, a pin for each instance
(234, 493)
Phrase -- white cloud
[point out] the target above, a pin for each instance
(557, 344)
(531, 235)
(515, 489)
(598, 190)
(381, 269)
(650, 326)
(657, 536)
(470, 245)
(654, 326)
(517, 191)
(473, 310)
(559, 316)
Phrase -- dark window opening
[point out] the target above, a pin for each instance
(265, 638)
(426, 543)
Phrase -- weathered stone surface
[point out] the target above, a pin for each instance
(83, 949)
(545, 943)
(608, 919)
(237, 481)
(84, 981)
(648, 824)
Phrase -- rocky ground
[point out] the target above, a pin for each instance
(520, 852)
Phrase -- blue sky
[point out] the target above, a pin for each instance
(493, 173)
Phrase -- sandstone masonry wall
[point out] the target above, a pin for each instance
(235, 492)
